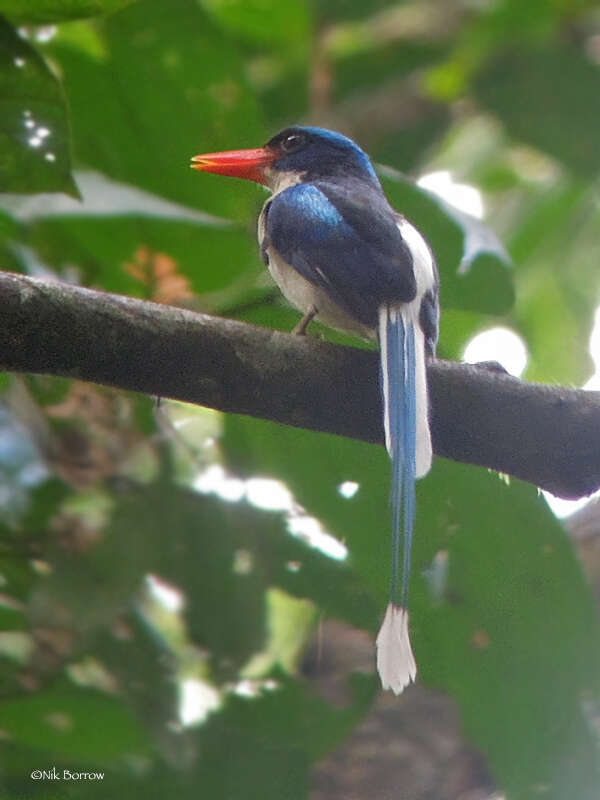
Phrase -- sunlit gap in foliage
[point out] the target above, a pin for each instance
(460, 195)
(197, 699)
(348, 489)
(498, 344)
(271, 495)
(564, 508)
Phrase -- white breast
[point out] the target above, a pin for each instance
(303, 295)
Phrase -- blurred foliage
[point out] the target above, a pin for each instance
(135, 556)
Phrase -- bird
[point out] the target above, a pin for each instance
(342, 255)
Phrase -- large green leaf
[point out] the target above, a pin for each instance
(38, 12)
(515, 635)
(263, 21)
(512, 633)
(307, 722)
(335, 10)
(261, 748)
(171, 85)
(547, 96)
(34, 130)
(75, 723)
(144, 668)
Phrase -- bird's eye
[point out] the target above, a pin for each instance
(293, 142)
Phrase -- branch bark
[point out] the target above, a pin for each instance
(547, 435)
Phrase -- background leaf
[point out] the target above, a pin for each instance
(532, 90)
(40, 12)
(34, 134)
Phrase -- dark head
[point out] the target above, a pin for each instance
(303, 153)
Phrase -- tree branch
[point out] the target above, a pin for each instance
(547, 435)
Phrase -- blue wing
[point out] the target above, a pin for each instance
(343, 238)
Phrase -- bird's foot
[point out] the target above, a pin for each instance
(302, 326)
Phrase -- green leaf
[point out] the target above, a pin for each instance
(40, 12)
(335, 10)
(101, 197)
(236, 764)
(263, 21)
(74, 723)
(11, 619)
(144, 667)
(512, 634)
(515, 637)
(34, 130)
(547, 96)
(171, 86)
(260, 749)
(86, 591)
(290, 711)
(225, 608)
(553, 242)
(408, 149)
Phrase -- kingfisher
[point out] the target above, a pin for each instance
(342, 255)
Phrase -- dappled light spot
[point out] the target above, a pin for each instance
(254, 688)
(312, 532)
(16, 645)
(214, 480)
(41, 567)
(348, 489)
(501, 345)
(91, 672)
(60, 721)
(168, 596)
(197, 699)
(268, 494)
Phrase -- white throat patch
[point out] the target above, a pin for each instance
(278, 181)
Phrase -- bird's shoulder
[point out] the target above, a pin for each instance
(345, 214)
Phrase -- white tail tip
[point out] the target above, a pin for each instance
(395, 661)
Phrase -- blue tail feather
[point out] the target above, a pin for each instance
(398, 367)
